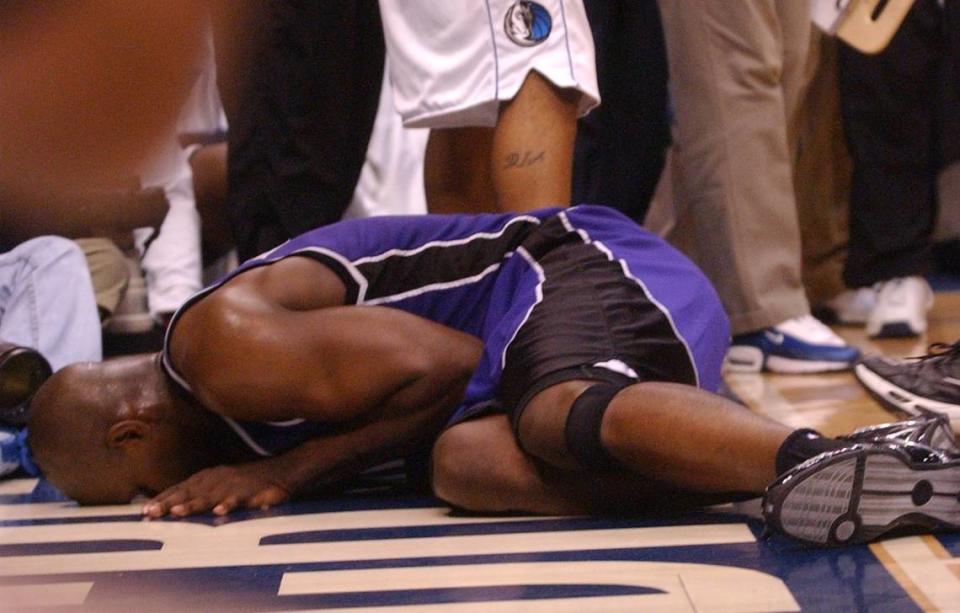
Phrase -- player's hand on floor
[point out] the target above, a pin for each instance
(220, 489)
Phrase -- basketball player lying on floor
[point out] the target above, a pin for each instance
(558, 362)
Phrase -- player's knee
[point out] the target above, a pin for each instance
(455, 468)
(539, 428)
(478, 467)
(572, 438)
(588, 424)
(617, 430)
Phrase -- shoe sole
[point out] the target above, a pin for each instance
(904, 327)
(899, 400)
(790, 366)
(899, 329)
(743, 359)
(856, 497)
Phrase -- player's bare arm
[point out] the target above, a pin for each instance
(387, 377)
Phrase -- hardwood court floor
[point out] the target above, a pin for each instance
(374, 551)
(835, 404)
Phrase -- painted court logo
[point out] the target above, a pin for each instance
(527, 23)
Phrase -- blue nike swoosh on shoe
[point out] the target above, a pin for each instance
(775, 337)
(796, 349)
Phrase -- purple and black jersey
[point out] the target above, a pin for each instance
(580, 293)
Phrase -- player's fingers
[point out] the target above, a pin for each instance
(226, 505)
(198, 504)
(161, 504)
(267, 498)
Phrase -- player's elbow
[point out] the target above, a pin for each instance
(439, 362)
(460, 358)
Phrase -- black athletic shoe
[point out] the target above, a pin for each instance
(856, 494)
(22, 372)
(915, 386)
(933, 431)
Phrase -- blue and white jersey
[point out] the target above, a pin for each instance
(508, 279)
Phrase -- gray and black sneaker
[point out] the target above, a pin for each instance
(915, 386)
(858, 493)
(933, 430)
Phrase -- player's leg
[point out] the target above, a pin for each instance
(532, 155)
(622, 334)
(674, 433)
(501, 85)
(478, 466)
(522, 164)
(456, 171)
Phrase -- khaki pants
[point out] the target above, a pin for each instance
(108, 271)
(736, 77)
(822, 176)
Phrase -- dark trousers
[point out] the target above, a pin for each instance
(901, 114)
(300, 87)
(621, 145)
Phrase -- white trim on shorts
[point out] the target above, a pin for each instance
(627, 273)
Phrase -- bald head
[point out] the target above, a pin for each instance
(74, 399)
(104, 432)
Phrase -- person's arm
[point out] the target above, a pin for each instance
(92, 213)
(317, 463)
(388, 378)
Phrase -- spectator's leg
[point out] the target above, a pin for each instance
(108, 271)
(171, 257)
(47, 301)
(822, 177)
(948, 181)
(209, 167)
(621, 146)
(300, 92)
(889, 103)
(733, 169)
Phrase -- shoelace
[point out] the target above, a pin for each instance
(939, 351)
(939, 361)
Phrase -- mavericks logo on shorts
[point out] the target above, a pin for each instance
(527, 23)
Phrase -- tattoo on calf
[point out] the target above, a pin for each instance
(517, 159)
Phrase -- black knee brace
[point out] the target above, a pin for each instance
(582, 430)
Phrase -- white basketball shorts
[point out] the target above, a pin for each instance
(452, 62)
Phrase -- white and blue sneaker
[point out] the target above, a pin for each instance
(9, 452)
(799, 345)
(14, 453)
